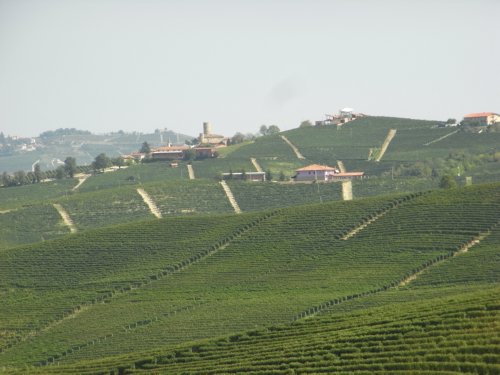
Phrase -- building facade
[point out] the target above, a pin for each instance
(481, 119)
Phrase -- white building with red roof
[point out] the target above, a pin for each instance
(481, 119)
(317, 172)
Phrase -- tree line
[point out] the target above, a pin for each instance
(67, 170)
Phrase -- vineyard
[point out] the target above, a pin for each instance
(162, 277)
(254, 197)
(18, 196)
(30, 224)
(444, 335)
(141, 286)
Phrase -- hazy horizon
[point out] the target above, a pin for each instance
(137, 65)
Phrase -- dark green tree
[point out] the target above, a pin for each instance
(60, 172)
(37, 172)
(20, 178)
(6, 179)
(273, 129)
(101, 162)
(447, 182)
(237, 138)
(145, 148)
(269, 175)
(70, 166)
(118, 161)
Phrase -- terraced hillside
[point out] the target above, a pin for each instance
(203, 277)
(358, 143)
(30, 224)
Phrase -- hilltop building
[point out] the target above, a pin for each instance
(317, 172)
(344, 115)
(209, 138)
(481, 119)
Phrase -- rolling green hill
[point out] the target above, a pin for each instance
(414, 161)
(401, 275)
(402, 280)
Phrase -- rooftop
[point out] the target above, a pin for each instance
(480, 114)
(316, 167)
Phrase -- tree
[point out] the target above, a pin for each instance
(20, 177)
(451, 121)
(37, 172)
(237, 138)
(273, 129)
(70, 166)
(145, 148)
(60, 172)
(282, 176)
(118, 161)
(189, 155)
(101, 162)
(305, 124)
(6, 179)
(447, 182)
(269, 175)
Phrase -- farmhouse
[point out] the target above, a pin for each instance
(481, 119)
(317, 172)
(169, 152)
(205, 152)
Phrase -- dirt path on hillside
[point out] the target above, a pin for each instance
(256, 165)
(230, 197)
(465, 248)
(295, 149)
(81, 180)
(66, 218)
(341, 166)
(394, 285)
(149, 201)
(347, 190)
(440, 138)
(387, 141)
(190, 171)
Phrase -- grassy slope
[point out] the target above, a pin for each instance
(15, 197)
(278, 256)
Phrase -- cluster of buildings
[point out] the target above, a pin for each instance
(344, 116)
(208, 142)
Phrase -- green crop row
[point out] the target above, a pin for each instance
(426, 336)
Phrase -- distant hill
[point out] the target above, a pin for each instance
(52, 147)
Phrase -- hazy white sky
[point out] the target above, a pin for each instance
(106, 65)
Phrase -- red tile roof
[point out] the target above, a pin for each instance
(480, 114)
(316, 167)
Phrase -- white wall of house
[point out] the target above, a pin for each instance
(313, 175)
